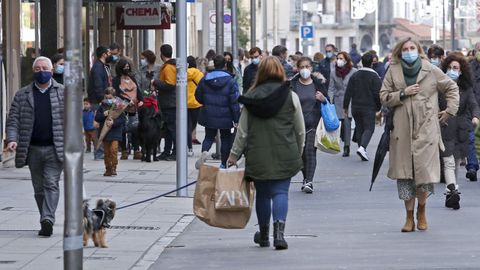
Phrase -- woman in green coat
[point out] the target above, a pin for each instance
(271, 135)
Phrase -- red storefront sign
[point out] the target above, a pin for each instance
(142, 17)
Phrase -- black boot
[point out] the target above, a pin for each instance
(472, 175)
(278, 231)
(452, 199)
(346, 151)
(261, 237)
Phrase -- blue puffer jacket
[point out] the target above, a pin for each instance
(218, 92)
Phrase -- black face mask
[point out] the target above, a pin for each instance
(126, 71)
(109, 59)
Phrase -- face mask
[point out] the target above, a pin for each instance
(42, 77)
(256, 61)
(109, 101)
(340, 63)
(143, 62)
(59, 69)
(305, 73)
(126, 71)
(410, 56)
(435, 62)
(329, 54)
(453, 74)
(115, 57)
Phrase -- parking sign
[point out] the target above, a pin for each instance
(306, 31)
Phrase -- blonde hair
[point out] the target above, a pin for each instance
(110, 91)
(397, 50)
(269, 69)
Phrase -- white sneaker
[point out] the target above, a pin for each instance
(190, 152)
(362, 153)
(201, 160)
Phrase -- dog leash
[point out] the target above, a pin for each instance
(156, 197)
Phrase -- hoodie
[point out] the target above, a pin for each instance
(218, 93)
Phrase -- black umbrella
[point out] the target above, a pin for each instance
(383, 147)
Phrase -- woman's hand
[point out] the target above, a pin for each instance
(412, 90)
(319, 96)
(475, 121)
(231, 161)
(140, 104)
(105, 113)
(443, 116)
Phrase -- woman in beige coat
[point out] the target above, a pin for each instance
(410, 89)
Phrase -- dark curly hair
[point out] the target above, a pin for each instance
(120, 65)
(465, 79)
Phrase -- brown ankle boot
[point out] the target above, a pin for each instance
(108, 172)
(124, 155)
(409, 223)
(114, 170)
(137, 155)
(421, 218)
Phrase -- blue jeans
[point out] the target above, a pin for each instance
(472, 161)
(271, 198)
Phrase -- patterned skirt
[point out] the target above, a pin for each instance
(407, 189)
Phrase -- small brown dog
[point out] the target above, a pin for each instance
(95, 221)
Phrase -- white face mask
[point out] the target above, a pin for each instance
(305, 73)
(341, 63)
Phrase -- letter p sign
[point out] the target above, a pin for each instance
(306, 31)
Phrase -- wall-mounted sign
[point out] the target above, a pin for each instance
(152, 16)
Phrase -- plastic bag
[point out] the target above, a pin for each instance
(329, 115)
(327, 141)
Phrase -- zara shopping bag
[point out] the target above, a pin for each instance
(327, 141)
(232, 192)
(204, 203)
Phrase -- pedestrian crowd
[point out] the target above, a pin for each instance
(266, 107)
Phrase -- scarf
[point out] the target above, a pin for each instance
(342, 72)
(151, 102)
(410, 72)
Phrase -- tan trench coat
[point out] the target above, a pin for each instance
(415, 140)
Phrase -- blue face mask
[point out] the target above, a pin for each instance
(109, 101)
(115, 57)
(435, 62)
(329, 54)
(410, 56)
(143, 62)
(59, 69)
(453, 74)
(42, 77)
(256, 61)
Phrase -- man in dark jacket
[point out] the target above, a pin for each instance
(100, 77)
(35, 131)
(167, 102)
(281, 53)
(472, 159)
(324, 65)
(363, 91)
(218, 93)
(251, 70)
(354, 55)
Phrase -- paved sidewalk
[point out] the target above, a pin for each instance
(343, 226)
(133, 239)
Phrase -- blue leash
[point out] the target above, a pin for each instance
(159, 196)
